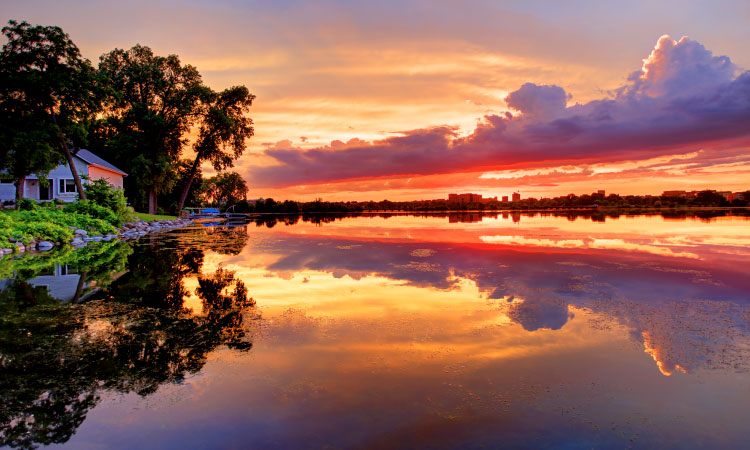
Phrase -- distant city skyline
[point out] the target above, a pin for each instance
(417, 99)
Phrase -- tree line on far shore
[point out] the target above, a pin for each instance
(707, 198)
(149, 115)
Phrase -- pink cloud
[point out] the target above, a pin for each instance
(683, 99)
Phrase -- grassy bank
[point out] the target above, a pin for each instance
(151, 217)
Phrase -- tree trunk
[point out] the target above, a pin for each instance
(152, 201)
(186, 188)
(20, 184)
(66, 151)
(76, 178)
(79, 287)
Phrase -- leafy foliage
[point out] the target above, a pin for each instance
(224, 127)
(101, 193)
(153, 107)
(92, 210)
(48, 92)
(51, 224)
(225, 189)
(27, 204)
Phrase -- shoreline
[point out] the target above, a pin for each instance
(129, 231)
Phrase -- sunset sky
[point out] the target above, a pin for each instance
(415, 99)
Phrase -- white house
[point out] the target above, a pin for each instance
(60, 182)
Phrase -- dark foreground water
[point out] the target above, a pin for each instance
(371, 332)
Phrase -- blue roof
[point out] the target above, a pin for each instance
(91, 158)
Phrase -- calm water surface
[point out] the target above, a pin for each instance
(372, 332)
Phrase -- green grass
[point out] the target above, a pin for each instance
(151, 217)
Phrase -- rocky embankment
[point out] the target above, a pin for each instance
(131, 230)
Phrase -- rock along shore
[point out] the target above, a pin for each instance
(129, 231)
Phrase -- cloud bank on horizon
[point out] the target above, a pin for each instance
(683, 99)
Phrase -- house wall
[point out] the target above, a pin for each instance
(61, 172)
(112, 178)
(31, 188)
(7, 191)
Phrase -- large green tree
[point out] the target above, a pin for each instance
(48, 94)
(225, 189)
(224, 127)
(156, 101)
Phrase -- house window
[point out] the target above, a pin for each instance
(67, 186)
(68, 270)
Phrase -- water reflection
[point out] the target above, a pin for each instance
(592, 215)
(653, 296)
(129, 333)
(387, 331)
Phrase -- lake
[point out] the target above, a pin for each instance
(386, 331)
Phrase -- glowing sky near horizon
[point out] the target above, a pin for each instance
(416, 99)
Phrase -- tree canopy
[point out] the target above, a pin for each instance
(225, 189)
(48, 95)
(224, 127)
(138, 110)
(155, 103)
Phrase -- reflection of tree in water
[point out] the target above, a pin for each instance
(56, 358)
(217, 299)
(98, 264)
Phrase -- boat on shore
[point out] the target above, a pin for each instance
(214, 215)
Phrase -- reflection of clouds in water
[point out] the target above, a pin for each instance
(535, 315)
(688, 335)
(636, 289)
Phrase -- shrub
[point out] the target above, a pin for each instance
(101, 193)
(27, 204)
(88, 208)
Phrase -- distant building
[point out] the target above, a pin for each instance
(600, 192)
(469, 198)
(505, 198)
(516, 196)
(674, 194)
(735, 196)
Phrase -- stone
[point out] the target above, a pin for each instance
(81, 232)
(44, 246)
(20, 246)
